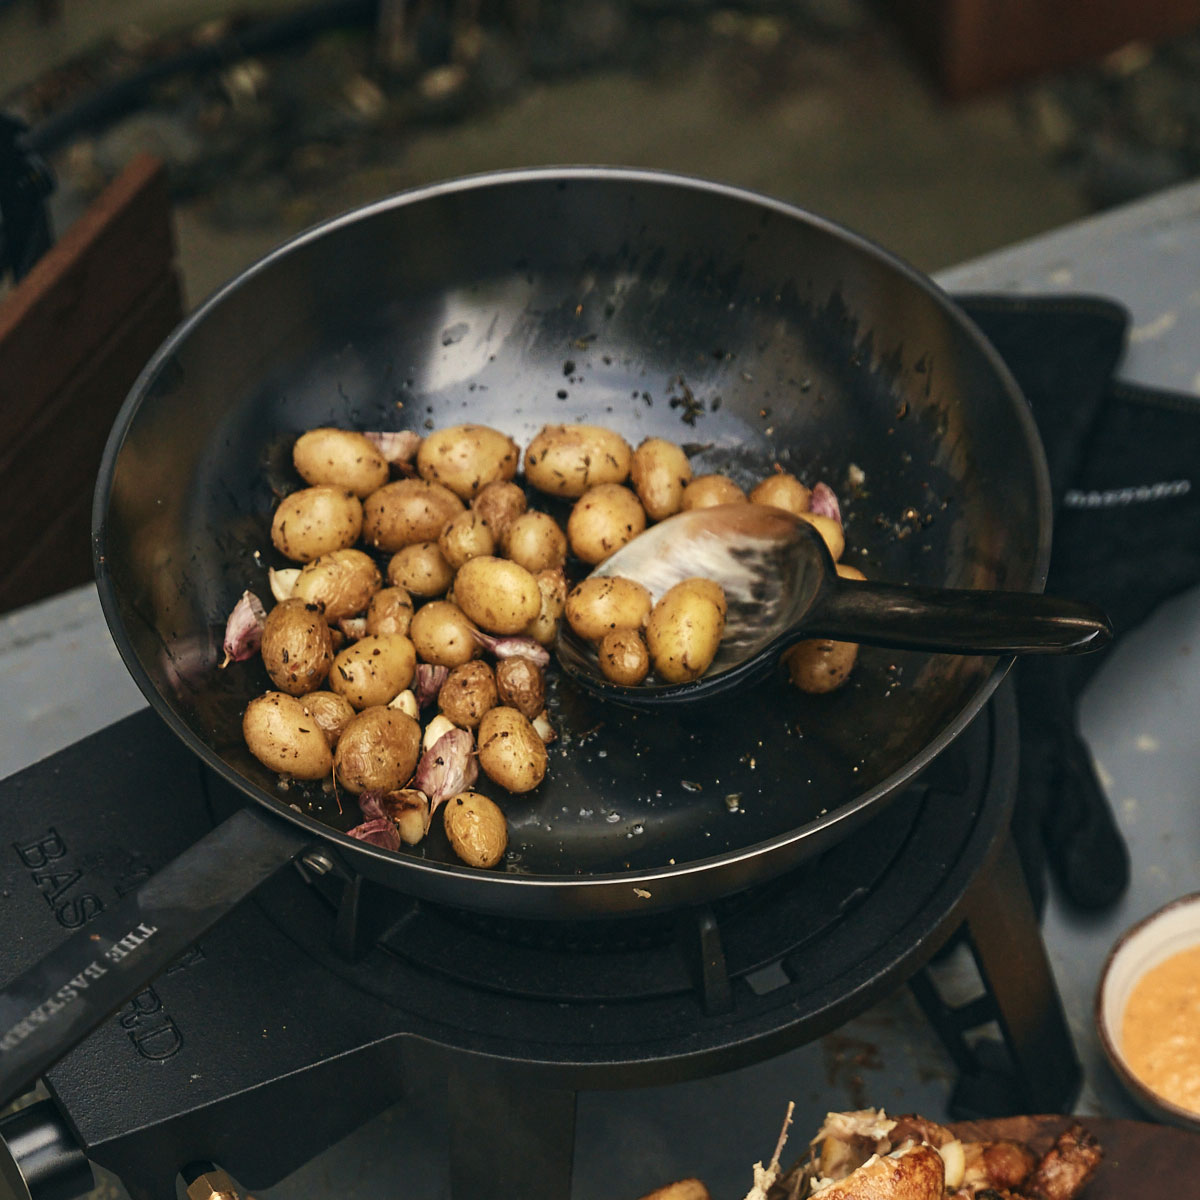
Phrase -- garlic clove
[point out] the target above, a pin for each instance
(428, 683)
(436, 728)
(825, 502)
(543, 728)
(244, 629)
(283, 582)
(409, 809)
(353, 627)
(513, 647)
(448, 767)
(406, 702)
(378, 832)
(398, 447)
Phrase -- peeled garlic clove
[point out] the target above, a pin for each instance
(353, 627)
(448, 767)
(398, 447)
(406, 702)
(428, 683)
(283, 582)
(955, 1163)
(513, 647)
(378, 832)
(409, 809)
(825, 502)
(243, 629)
(543, 728)
(436, 728)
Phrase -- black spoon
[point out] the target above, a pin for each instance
(781, 586)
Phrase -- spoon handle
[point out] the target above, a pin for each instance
(955, 621)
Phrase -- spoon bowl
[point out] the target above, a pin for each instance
(781, 586)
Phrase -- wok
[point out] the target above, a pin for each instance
(752, 332)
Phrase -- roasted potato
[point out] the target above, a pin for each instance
(659, 473)
(684, 631)
(466, 458)
(601, 603)
(296, 648)
(566, 460)
(331, 712)
(442, 634)
(604, 519)
(341, 583)
(623, 656)
(521, 685)
(536, 542)
(466, 536)
(707, 491)
(552, 588)
(282, 733)
(340, 458)
(469, 691)
(421, 570)
(821, 665)
(499, 504)
(510, 751)
(374, 669)
(377, 751)
(916, 1173)
(315, 521)
(476, 828)
(498, 595)
(830, 531)
(407, 511)
(782, 490)
(390, 611)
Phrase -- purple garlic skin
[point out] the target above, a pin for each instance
(244, 629)
(399, 447)
(448, 767)
(825, 502)
(428, 683)
(513, 647)
(378, 832)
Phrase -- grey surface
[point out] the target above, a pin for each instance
(1139, 718)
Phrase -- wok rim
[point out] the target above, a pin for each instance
(599, 893)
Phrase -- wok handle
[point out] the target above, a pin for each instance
(953, 621)
(58, 1001)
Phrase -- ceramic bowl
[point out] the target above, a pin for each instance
(1174, 927)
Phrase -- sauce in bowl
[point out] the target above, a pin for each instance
(1160, 1029)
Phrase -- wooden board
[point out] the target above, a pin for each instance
(1142, 1161)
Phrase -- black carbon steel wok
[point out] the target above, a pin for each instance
(752, 332)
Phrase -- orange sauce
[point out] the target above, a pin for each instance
(1160, 1029)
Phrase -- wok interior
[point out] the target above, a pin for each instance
(752, 334)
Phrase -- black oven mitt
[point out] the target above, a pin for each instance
(1123, 464)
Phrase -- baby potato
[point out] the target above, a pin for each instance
(469, 691)
(623, 657)
(708, 588)
(296, 647)
(603, 520)
(378, 751)
(374, 669)
(315, 521)
(331, 712)
(820, 665)
(466, 458)
(442, 635)
(510, 751)
(407, 511)
(340, 458)
(498, 595)
(466, 536)
(341, 582)
(783, 490)
(521, 685)
(421, 570)
(390, 611)
(602, 603)
(499, 504)
(659, 473)
(281, 732)
(476, 828)
(707, 491)
(846, 571)
(830, 531)
(683, 633)
(536, 542)
(566, 460)
(552, 588)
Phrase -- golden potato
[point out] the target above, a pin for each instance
(820, 665)
(552, 589)
(469, 691)
(341, 583)
(390, 611)
(601, 603)
(707, 491)
(421, 570)
(604, 519)
(521, 685)
(536, 542)
(407, 511)
(917, 1173)
(378, 751)
(374, 669)
(476, 828)
(659, 473)
(566, 460)
(331, 712)
(782, 490)
(846, 571)
(466, 458)
(466, 536)
(442, 634)
(684, 633)
(510, 751)
(498, 595)
(340, 458)
(282, 734)
(623, 657)
(830, 531)
(499, 504)
(296, 647)
(315, 521)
